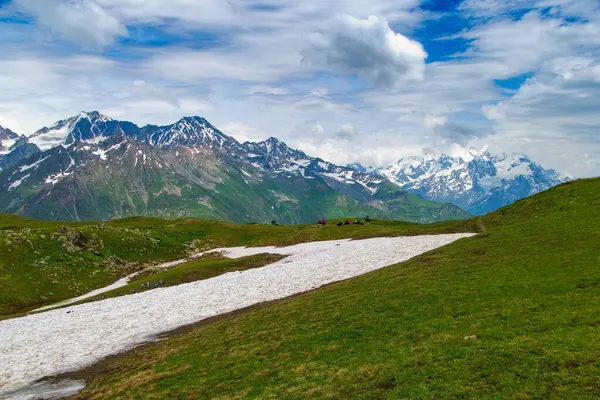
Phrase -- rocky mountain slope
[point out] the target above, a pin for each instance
(7, 139)
(91, 167)
(478, 181)
(14, 148)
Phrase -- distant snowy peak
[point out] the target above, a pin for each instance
(476, 180)
(7, 134)
(273, 154)
(362, 168)
(85, 126)
(275, 157)
(188, 131)
(7, 139)
(93, 127)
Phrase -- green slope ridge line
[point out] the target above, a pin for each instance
(511, 313)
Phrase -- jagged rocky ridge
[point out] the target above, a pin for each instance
(91, 167)
(14, 148)
(477, 181)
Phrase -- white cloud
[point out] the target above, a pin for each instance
(434, 120)
(523, 45)
(368, 48)
(243, 132)
(321, 92)
(83, 21)
(317, 131)
(557, 110)
(498, 9)
(345, 132)
(369, 148)
(268, 90)
(250, 80)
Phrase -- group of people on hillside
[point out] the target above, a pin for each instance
(356, 222)
(323, 222)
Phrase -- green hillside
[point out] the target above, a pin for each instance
(511, 313)
(42, 262)
(139, 179)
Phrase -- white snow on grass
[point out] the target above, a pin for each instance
(18, 182)
(120, 283)
(34, 165)
(53, 179)
(68, 339)
(45, 390)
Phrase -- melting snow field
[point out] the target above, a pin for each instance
(68, 339)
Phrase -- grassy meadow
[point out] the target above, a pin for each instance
(511, 313)
(45, 262)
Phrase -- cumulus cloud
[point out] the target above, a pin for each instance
(83, 21)
(345, 132)
(370, 147)
(368, 48)
(317, 131)
(268, 90)
(558, 111)
(461, 132)
(564, 96)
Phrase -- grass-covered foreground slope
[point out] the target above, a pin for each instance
(511, 313)
(44, 262)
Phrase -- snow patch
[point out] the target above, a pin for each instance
(290, 168)
(52, 342)
(34, 165)
(18, 182)
(7, 144)
(53, 179)
(54, 137)
(96, 140)
(101, 153)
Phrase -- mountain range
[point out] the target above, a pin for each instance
(91, 167)
(477, 181)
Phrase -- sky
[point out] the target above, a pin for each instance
(367, 81)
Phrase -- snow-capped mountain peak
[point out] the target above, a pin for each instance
(273, 154)
(93, 127)
(7, 139)
(84, 126)
(188, 131)
(94, 167)
(475, 180)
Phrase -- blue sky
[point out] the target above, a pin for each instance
(348, 80)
